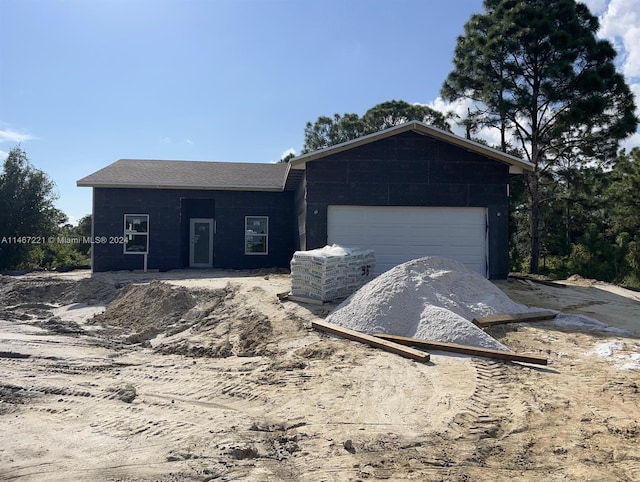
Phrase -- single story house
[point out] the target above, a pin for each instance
(408, 191)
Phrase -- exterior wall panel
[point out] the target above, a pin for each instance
(301, 213)
(169, 213)
(410, 169)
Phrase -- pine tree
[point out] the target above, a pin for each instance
(539, 74)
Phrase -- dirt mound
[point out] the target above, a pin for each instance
(432, 298)
(223, 329)
(196, 322)
(92, 291)
(145, 310)
(578, 280)
(16, 291)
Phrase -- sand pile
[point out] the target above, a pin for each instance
(92, 291)
(431, 298)
(144, 310)
(192, 322)
(15, 291)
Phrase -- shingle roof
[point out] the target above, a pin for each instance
(143, 173)
(519, 165)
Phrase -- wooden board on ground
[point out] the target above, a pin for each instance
(536, 280)
(302, 299)
(485, 321)
(284, 296)
(390, 346)
(465, 349)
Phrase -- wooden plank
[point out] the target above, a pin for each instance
(370, 340)
(302, 299)
(484, 321)
(535, 280)
(465, 349)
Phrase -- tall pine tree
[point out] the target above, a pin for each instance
(539, 74)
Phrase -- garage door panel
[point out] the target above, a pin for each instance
(398, 234)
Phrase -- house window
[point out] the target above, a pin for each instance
(136, 234)
(256, 234)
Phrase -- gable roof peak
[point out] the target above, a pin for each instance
(518, 165)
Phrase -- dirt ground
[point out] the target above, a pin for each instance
(205, 375)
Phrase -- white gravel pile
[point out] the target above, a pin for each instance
(430, 298)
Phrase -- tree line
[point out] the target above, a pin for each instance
(33, 232)
(589, 221)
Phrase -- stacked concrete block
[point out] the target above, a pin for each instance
(331, 272)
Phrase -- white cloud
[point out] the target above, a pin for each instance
(3, 155)
(289, 151)
(459, 110)
(9, 135)
(620, 24)
(170, 140)
(595, 6)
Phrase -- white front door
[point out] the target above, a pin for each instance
(201, 243)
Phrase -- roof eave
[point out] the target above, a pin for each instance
(107, 185)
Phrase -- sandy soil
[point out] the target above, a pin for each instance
(205, 375)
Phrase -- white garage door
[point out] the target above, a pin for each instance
(399, 234)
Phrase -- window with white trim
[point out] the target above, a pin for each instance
(256, 235)
(136, 234)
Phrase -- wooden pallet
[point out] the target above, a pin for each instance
(485, 321)
(390, 346)
(464, 349)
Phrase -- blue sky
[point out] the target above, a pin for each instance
(84, 83)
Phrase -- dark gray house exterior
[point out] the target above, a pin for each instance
(408, 191)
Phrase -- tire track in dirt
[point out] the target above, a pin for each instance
(161, 417)
(205, 384)
(491, 431)
(486, 411)
(57, 391)
(568, 419)
(605, 386)
(130, 424)
(630, 468)
(167, 409)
